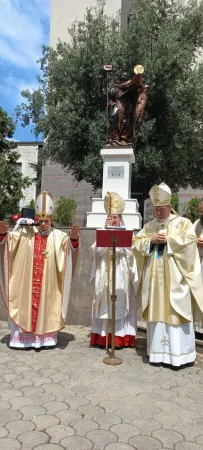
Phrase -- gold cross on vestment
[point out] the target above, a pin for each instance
(164, 340)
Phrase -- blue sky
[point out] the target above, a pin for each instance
(24, 28)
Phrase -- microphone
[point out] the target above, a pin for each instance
(34, 224)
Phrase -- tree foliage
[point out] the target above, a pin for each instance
(70, 104)
(191, 209)
(65, 212)
(12, 182)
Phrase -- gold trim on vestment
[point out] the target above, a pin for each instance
(170, 354)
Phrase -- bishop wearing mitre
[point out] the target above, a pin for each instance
(198, 228)
(36, 269)
(171, 282)
(126, 280)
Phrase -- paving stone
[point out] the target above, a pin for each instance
(48, 372)
(90, 411)
(145, 443)
(12, 377)
(18, 384)
(31, 374)
(166, 394)
(124, 432)
(19, 402)
(190, 432)
(48, 447)
(83, 426)
(22, 369)
(44, 421)
(39, 381)
(186, 402)
(31, 439)
(105, 421)
(128, 415)
(67, 416)
(82, 390)
(31, 411)
(97, 398)
(168, 420)
(4, 405)
(53, 407)
(32, 390)
(63, 395)
(7, 416)
(76, 402)
(10, 393)
(147, 426)
(76, 443)
(199, 440)
(5, 386)
(187, 446)
(101, 438)
(119, 446)
(168, 437)
(40, 399)
(110, 406)
(9, 444)
(58, 377)
(18, 427)
(59, 432)
(3, 432)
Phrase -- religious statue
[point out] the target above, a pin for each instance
(127, 101)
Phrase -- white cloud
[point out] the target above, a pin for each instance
(22, 30)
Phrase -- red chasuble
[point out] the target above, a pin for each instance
(38, 268)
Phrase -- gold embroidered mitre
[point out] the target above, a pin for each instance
(44, 205)
(160, 195)
(113, 203)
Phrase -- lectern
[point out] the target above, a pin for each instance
(112, 238)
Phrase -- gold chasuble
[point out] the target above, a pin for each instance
(170, 274)
(16, 279)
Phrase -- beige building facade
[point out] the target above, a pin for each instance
(65, 12)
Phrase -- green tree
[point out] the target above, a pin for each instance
(12, 181)
(70, 104)
(191, 209)
(65, 212)
(175, 202)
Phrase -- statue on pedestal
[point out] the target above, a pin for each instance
(127, 101)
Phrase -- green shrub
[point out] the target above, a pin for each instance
(32, 203)
(175, 202)
(65, 212)
(191, 209)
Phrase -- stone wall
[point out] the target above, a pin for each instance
(28, 154)
(59, 182)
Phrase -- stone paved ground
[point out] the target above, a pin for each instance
(67, 398)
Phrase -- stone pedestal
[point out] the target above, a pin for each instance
(116, 178)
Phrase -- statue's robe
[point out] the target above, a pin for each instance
(126, 285)
(35, 279)
(198, 228)
(170, 289)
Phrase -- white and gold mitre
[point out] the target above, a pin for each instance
(113, 203)
(44, 205)
(160, 195)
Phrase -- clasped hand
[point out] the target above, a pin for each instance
(200, 242)
(159, 239)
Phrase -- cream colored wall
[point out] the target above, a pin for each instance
(65, 12)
